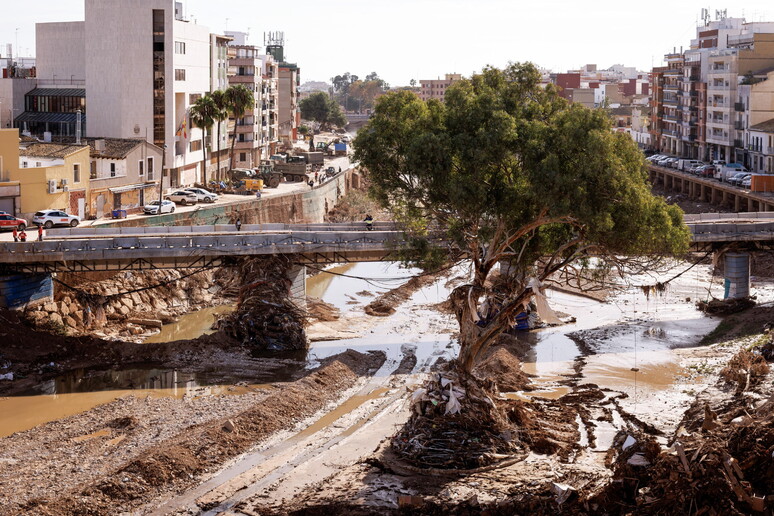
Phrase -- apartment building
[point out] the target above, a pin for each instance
(695, 99)
(143, 67)
(436, 88)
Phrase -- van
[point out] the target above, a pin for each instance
(725, 172)
(686, 164)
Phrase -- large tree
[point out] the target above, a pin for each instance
(510, 173)
(238, 100)
(321, 108)
(203, 115)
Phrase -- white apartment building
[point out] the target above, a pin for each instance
(144, 65)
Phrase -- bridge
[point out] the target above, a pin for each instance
(177, 247)
(101, 249)
(28, 265)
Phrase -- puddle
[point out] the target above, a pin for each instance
(83, 390)
(345, 408)
(190, 326)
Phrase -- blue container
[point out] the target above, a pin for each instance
(119, 214)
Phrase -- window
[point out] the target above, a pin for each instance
(242, 156)
(150, 168)
(179, 74)
(76, 173)
(93, 170)
(141, 167)
(179, 47)
(193, 97)
(112, 170)
(195, 146)
(24, 164)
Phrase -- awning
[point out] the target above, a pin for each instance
(129, 188)
(53, 118)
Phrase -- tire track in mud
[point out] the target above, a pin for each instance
(301, 459)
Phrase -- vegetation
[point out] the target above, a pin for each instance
(321, 108)
(237, 100)
(355, 94)
(512, 174)
(221, 115)
(203, 115)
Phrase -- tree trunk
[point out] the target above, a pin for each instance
(474, 339)
(217, 166)
(233, 145)
(204, 159)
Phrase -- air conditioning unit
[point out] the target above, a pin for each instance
(52, 186)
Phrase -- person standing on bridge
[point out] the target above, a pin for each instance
(369, 220)
(238, 224)
(15, 235)
(40, 233)
(22, 236)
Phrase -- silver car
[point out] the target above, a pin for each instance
(182, 197)
(203, 195)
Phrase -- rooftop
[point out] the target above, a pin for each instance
(766, 127)
(50, 150)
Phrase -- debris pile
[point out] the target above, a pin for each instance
(725, 306)
(266, 318)
(504, 369)
(455, 425)
(721, 460)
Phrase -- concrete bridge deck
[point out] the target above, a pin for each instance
(142, 248)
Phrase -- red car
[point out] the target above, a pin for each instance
(9, 222)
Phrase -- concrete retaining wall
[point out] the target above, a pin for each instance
(307, 206)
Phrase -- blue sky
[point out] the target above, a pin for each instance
(423, 39)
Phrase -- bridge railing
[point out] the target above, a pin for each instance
(89, 232)
(705, 217)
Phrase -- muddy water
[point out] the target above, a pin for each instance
(190, 326)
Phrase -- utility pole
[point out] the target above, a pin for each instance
(161, 176)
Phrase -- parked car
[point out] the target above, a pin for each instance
(747, 182)
(152, 208)
(203, 195)
(51, 218)
(737, 179)
(686, 164)
(8, 221)
(706, 171)
(671, 162)
(653, 158)
(182, 197)
(663, 161)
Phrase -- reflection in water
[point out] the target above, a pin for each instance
(82, 390)
(190, 326)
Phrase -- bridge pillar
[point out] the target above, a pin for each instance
(724, 200)
(297, 276)
(737, 203)
(713, 195)
(19, 290)
(736, 275)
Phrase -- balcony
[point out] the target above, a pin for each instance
(719, 87)
(739, 144)
(739, 107)
(739, 125)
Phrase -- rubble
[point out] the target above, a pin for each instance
(265, 317)
(725, 306)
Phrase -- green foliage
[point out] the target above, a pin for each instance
(514, 172)
(321, 108)
(203, 115)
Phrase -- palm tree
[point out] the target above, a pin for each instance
(203, 116)
(221, 114)
(238, 99)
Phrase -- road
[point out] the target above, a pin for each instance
(282, 189)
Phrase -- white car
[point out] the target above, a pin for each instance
(152, 208)
(51, 218)
(203, 195)
(182, 197)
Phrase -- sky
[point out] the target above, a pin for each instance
(424, 39)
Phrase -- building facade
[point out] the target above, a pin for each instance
(436, 88)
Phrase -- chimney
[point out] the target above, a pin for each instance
(99, 145)
(78, 127)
